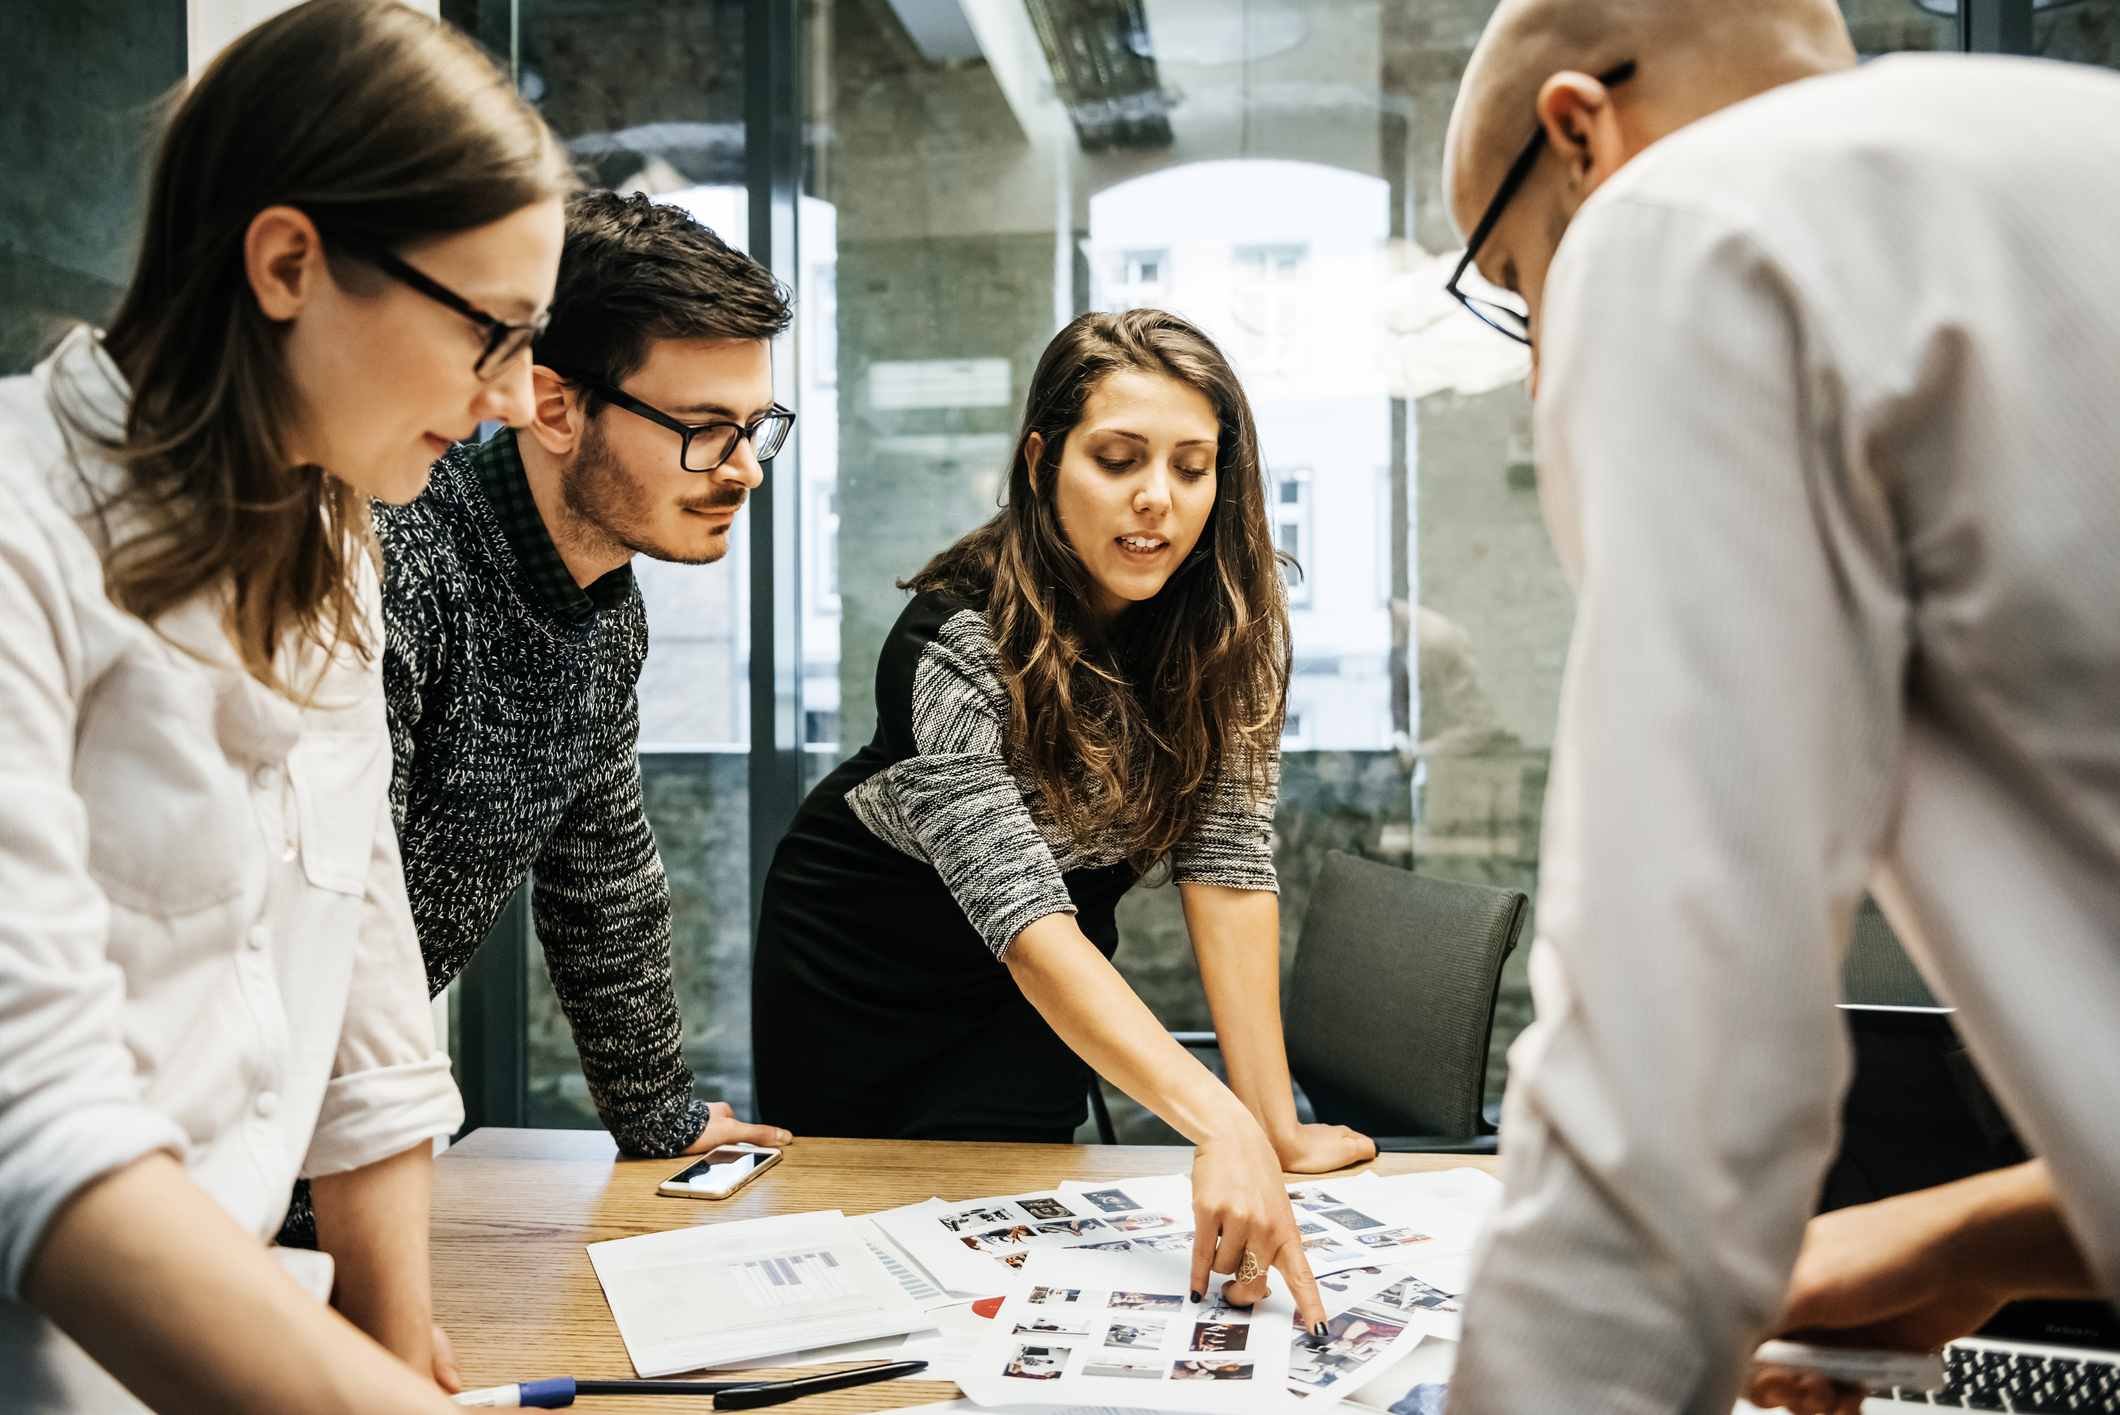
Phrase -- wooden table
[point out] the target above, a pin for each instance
(512, 1209)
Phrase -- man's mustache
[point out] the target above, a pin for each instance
(726, 502)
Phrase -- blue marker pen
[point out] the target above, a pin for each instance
(558, 1392)
(554, 1394)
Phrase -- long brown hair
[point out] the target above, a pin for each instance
(384, 126)
(1120, 727)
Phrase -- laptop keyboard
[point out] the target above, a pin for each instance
(1979, 1379)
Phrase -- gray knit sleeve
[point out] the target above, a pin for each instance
(602, 905)
(1230, 843)
(955, 803)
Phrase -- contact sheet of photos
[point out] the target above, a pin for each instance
(1116, 1328)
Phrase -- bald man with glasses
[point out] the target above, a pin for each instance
(1827, 376)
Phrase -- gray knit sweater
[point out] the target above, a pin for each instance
(515, 724)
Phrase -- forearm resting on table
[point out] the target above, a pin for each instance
(1082, 997)
(373, 1223)
(1236, 938)
(164, 1291)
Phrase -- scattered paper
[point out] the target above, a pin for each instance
(716, 1293)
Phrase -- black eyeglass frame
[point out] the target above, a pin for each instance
(504, 340)
(1518, 322)
(781, 416)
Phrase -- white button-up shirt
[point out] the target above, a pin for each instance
(1829, 436)
(205, 945)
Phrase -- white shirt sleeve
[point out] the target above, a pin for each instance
(1729, 720)
(390, 1084)
(70, 1102)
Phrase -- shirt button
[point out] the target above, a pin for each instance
(287, 855)
(266, 1103)
(257, 938)
(262, 778)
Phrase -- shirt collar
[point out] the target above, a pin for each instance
(498, 466)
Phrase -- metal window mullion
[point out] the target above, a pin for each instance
(773, 111)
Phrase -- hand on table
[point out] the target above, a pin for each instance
(1240, 1205)
(446, 1374)
(723, 1128)
(1320, 1149)
(1879, 1276)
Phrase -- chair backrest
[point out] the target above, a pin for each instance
(1877, 970)
(1392, 1003)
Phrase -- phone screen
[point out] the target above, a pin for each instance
(720, 1169)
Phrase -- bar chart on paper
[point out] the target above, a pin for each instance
(793, 1279)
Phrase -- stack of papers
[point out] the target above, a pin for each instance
(727, 1292)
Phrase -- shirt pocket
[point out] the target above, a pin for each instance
(169, 824)
(341, 779)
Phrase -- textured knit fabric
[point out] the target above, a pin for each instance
(879, 1002)
(514, 723)
(516, 730)
(1828, 421)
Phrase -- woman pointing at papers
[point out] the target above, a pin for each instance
(1086, 690)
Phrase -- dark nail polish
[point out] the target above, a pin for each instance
(1196, 1297)
(1317, 1333)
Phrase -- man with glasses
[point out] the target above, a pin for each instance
(1827, 420)
(516, 633)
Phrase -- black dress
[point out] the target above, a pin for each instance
(879, 1004)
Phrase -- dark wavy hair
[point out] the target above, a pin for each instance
(386, 127)
(1121, 727)
(635, 271)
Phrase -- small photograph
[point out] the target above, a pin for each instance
(1310, 1245)
(1071, 1228)
(1309, 1229)
(1412, 1295)
(1111, 1201)
(1219, 1336)
(1016, 1259)
(1351, 1218)
(1341, 1281)
(1037, 1363)
(1014, 1236)
(1045, 1208)
(1179, 1241)
(1352, 1341)
(1210, 1371)
(1123, 1371)
(1057, 1325)
(1390, 1238)
(1116, 1245)
(1063, 1297)
(1422, 1400)
(1135, 1223)
(1311, 1194)
(1218, 1308)
(1140, 1334)
(1147, 1301)
(1315, 1206)
(974, 1218)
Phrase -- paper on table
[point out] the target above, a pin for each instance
(714, 1293)
(972, 1245)
(1081, 1326)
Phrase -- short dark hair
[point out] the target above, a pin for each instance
(634, 271)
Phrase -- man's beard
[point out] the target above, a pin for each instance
(610, 505)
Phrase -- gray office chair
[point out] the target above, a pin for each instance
(1391, 1008)
(1877, 971)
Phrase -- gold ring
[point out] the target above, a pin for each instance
(1250, 1269)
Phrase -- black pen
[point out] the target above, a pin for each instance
(560, 1391)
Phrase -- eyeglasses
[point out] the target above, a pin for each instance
(504, 341)
(706, 446)
(1507, 319)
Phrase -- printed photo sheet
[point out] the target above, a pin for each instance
(722, 1292)
(1089, 1327)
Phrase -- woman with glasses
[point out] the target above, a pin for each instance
(1084, 691)
(210, 981)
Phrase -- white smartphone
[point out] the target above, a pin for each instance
(1871, 1370)
(720, 1172)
